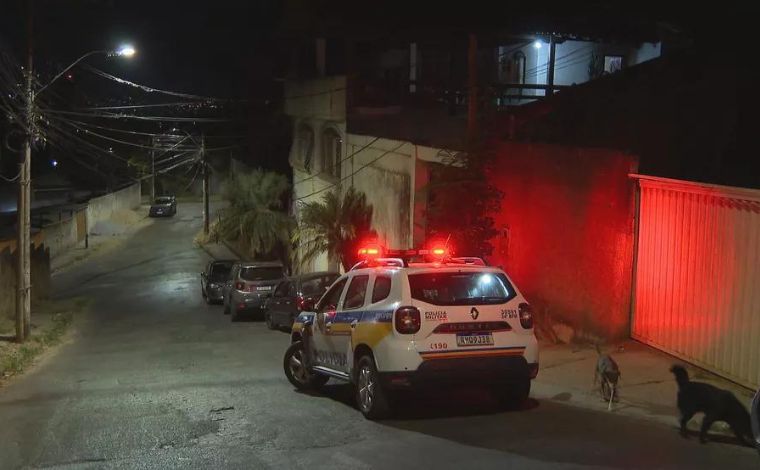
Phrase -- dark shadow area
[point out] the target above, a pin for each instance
(8, 338)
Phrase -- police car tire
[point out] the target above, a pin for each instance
(314, 382)
(514, 395)
(380, 405)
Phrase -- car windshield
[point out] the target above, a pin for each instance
(461, 288)
(163, 200)
(220, 272)
(261, 273)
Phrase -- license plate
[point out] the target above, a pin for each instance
(475, 339)
(264, 288)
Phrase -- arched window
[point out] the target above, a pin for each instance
(518, 68)
(305, 146)
(332, 152)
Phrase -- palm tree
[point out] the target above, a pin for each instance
(255, 215)
(334, 226)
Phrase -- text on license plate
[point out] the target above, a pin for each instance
(475, 339)
(264, 288)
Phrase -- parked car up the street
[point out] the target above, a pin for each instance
(163, 206)
(250, 283)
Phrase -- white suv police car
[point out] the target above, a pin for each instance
(391, 324)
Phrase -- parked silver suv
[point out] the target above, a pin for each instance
(250, 283)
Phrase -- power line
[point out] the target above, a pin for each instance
(141, 118)
(149, 89)
(339, 163)
(138, 106)
(352, 174)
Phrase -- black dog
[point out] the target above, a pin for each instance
(715, 403)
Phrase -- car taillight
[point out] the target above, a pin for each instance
(407, 320)
(299, 302)
(526, 315)
(240, 286)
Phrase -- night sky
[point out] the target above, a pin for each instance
(189, 46)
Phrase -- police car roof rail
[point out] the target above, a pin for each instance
(469, 260)
(389, 262)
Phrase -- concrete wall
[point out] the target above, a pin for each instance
(40, 264)
(101, 208)
(61, 236)
(566, 232)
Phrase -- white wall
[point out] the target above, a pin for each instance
(101, 208)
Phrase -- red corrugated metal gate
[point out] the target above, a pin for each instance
(697, 275)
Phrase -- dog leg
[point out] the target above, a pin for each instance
(685, 417)
(706, 423)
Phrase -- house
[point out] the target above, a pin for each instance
(379, 115)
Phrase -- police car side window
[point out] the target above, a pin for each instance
(330, 299)
(381, 289)
(356, 292)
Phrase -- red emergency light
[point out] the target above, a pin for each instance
(370, 251)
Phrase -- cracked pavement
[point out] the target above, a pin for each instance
(154, 378)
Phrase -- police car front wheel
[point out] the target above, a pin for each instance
(370, 396)
(297, 372)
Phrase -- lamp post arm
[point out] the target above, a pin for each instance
(67, 69)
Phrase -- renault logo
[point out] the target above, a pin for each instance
(474, 313)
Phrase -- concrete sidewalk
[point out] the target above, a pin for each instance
(218, 250)
(647, 389)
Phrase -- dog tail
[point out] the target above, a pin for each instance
(682, 377)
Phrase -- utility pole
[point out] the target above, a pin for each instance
(550, 69)
(23, 213)
(153, 169)
(206, 214)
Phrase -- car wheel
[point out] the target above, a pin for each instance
(514, 395)
(370, 396)
(296, 371)
(270, 323)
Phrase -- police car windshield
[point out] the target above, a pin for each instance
(261, 273)
(461, 288)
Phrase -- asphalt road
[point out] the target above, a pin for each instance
(154, 378)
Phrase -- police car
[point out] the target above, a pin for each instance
(412, 319)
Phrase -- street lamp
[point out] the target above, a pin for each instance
(125, 50)
(24, 282)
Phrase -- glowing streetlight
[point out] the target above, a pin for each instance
(125, 51)
(537, 44)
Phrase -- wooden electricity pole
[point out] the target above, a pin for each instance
(206, 214)
(23, 213)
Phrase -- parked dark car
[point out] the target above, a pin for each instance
(163, 206)
(250, 284)
(289, 297)
(213, 278)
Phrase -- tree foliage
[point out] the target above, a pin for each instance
(255, 215)
(336, 226)
(462, 203)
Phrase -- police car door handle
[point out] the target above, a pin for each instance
(354, 323)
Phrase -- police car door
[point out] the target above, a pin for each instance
(325, 352)
(348, 316)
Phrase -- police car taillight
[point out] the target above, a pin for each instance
(407, 320)
(526, 315)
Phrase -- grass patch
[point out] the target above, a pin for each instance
(54, 320)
